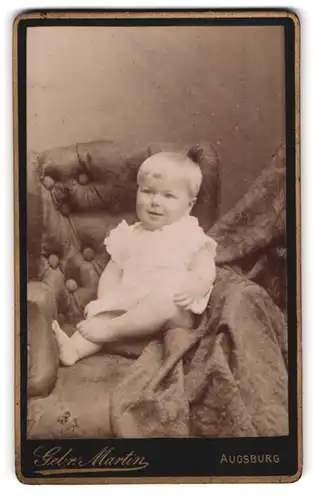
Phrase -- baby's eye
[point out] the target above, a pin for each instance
(169, 195)
(146, 190)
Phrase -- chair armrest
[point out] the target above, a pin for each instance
(42, 350)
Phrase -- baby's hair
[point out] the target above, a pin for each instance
(195, 153)
(188, 163)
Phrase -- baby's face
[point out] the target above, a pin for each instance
(163, 199)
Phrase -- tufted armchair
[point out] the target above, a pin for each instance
(76, 195)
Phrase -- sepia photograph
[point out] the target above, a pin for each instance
(159, 269)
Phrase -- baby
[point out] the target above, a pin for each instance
(161, 269)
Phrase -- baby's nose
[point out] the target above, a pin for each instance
(155, 200)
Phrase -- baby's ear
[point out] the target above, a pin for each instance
(192, 202)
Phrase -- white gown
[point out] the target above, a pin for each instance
(153, 261)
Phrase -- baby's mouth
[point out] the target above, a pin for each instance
(154, 214)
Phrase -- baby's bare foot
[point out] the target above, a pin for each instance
(67, 353)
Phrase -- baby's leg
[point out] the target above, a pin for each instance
(148, 317)
(72, 349)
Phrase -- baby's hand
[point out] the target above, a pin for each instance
(183, 299)
(187, 295)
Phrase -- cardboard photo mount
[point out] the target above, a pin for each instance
(216, 405)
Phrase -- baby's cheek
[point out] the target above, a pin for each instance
(141, 200)
(139, 204)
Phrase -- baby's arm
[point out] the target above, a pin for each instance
(110, 278)
(200, 278)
